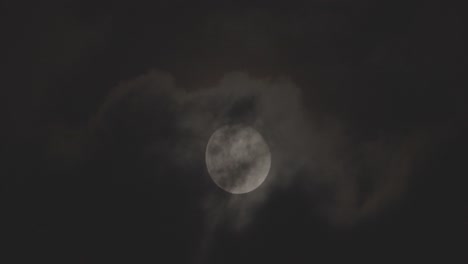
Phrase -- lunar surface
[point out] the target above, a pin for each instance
(237, 158)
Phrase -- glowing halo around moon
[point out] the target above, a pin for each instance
(237, 158)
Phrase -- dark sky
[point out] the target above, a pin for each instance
(106, 109)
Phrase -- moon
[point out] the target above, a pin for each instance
(237, 158)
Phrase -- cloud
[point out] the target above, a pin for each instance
(348, 180)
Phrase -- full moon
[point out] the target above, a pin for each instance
(237, 158)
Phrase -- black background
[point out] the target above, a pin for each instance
(375, 65)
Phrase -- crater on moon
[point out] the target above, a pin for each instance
(237, 158)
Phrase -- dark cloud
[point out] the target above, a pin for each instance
(156, 134)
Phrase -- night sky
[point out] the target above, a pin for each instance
(106, 110)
